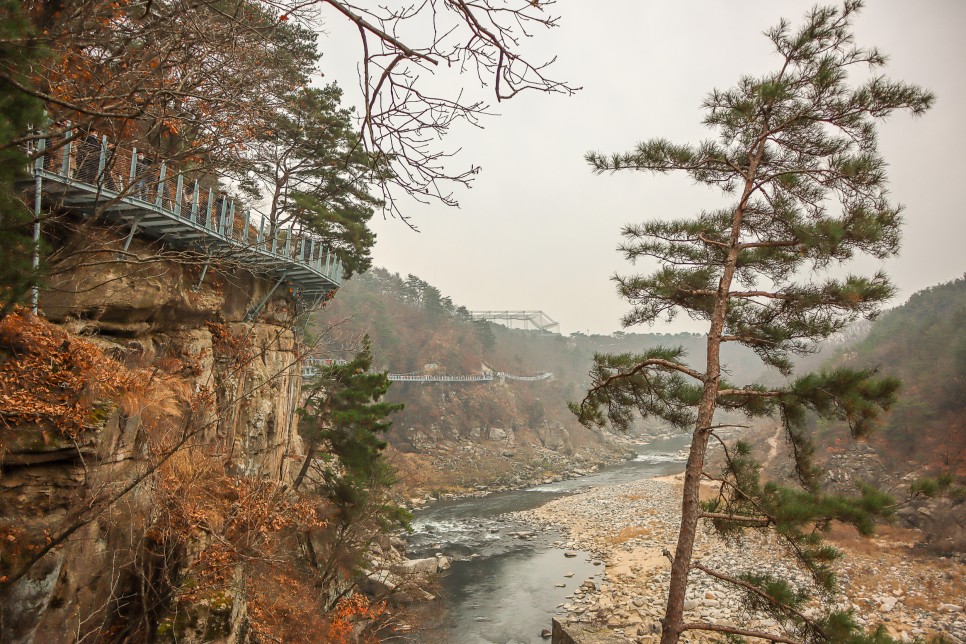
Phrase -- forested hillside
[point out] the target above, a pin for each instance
(924, 344)
(524, 429)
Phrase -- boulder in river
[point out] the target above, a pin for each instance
(421, 570)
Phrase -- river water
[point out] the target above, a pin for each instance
(502, 589)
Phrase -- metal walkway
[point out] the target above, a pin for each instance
(311, 367)
(537, 320)
(90, 175)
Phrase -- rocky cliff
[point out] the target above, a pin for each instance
(144, 379)
(455, 438)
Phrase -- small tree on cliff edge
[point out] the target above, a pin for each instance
(343, 419)
(796, 153)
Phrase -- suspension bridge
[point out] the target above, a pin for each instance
(90, 175)
(530, 320)
(311, 367)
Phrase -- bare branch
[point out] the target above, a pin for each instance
(719, 628)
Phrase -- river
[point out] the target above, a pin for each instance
(504, 589)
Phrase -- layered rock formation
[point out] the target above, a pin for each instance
(77, 510)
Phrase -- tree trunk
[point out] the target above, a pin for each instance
(690, 505)
(309, 453)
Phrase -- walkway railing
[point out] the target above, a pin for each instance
(546, 375)
(312, 366)
(90, 174)
(405, 377)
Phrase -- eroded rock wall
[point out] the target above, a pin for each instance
(148, 309)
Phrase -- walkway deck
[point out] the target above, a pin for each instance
(312, 366)
(89, 175)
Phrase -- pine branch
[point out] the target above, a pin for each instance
(760, 522)
(757, 591)
(651, 362)
(787, 536)
(751, 392)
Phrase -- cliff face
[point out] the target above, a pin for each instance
(155, 373)
(460, 436)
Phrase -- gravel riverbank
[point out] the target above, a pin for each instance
(627, 526)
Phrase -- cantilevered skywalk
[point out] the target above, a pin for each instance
(89, 175)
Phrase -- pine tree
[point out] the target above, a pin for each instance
(343, 419)
(796, 155)
(315, 173)
(17, 112)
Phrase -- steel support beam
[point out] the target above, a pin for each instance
(38, 199)
(258, 307)
(194, 204)
(159, 198)
(178, 194)
(69, 139)
(130, 236)
(204, 271)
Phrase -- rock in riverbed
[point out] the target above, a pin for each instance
(628, 526)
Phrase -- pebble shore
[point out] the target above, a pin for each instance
(627, 527)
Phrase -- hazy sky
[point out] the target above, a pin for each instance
(538, 230)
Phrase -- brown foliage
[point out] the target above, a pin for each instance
(50, 377)
(239, 529)
(348, 611)
(165, 75)
(235, 346)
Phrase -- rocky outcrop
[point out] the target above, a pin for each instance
(559, 634)
(229, 384)
(941, 521)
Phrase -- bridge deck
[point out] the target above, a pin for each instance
(311, 367)
(90, 176)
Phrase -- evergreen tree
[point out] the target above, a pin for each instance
(796, 155)
(317, 174)
(17, 112)
(343, 419)
(484, 332)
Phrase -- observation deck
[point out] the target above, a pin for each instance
(530, 320)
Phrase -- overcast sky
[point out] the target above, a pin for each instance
(538, 230)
